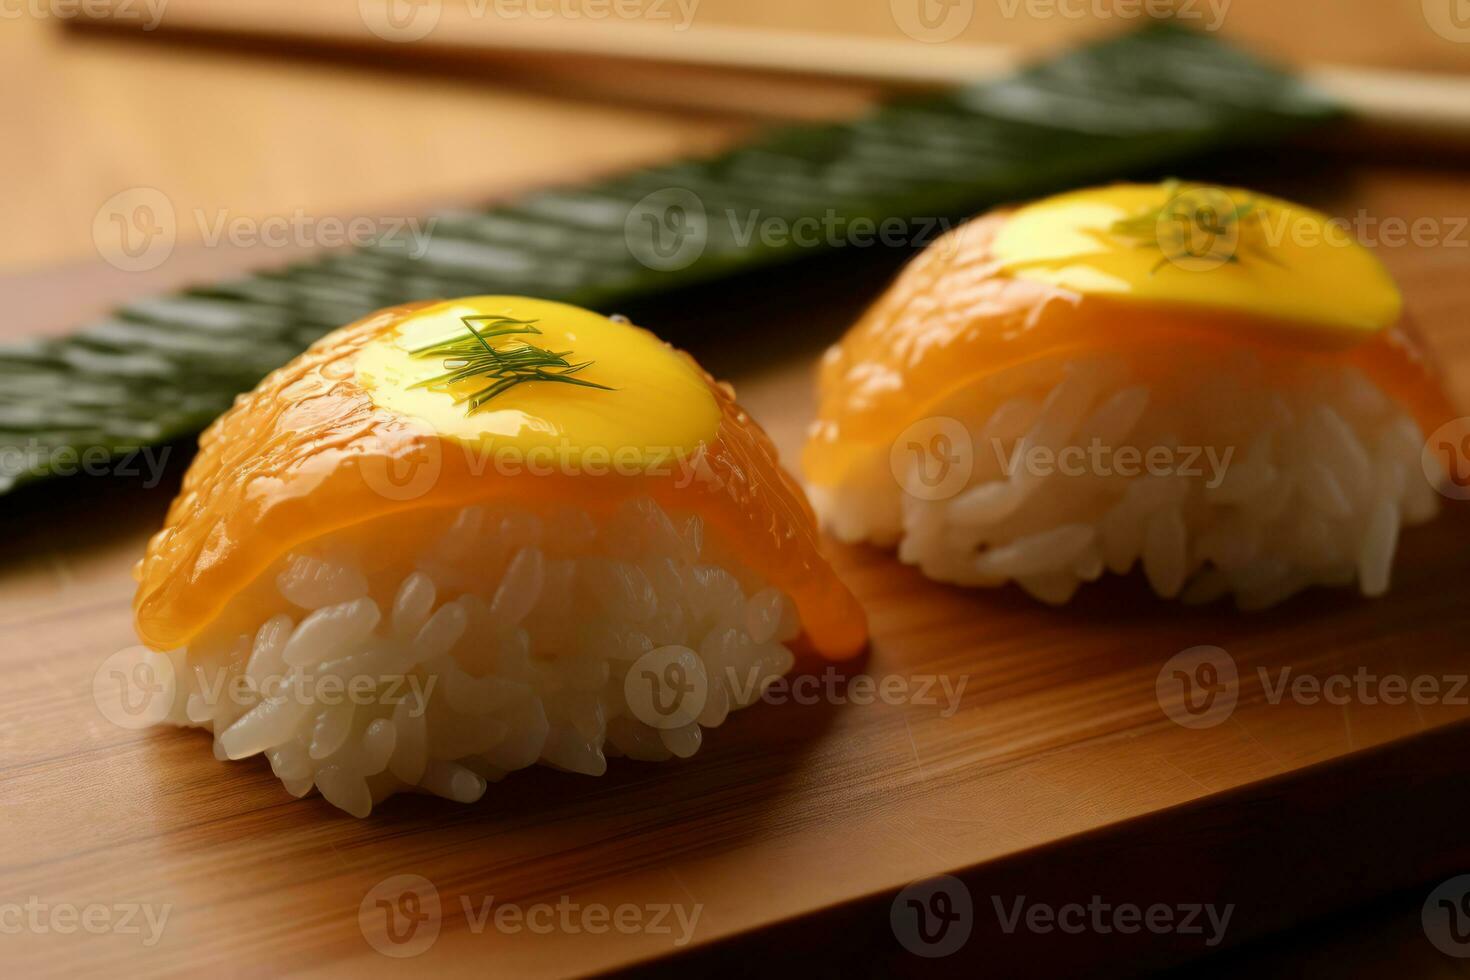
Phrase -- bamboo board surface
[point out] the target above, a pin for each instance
(1057, 776)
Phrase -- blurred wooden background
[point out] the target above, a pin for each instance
(261, 132)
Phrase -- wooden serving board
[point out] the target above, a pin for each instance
(1056, 777)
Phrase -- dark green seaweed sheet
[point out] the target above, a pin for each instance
(162, 369)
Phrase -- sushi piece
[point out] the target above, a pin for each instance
(1212, 384)
(458, 538)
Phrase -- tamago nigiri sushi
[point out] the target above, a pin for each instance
(1212, 384)
(457, 538)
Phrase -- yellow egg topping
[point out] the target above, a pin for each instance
(628, 396)
(1223, 249)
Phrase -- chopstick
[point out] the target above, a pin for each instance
(756, 72)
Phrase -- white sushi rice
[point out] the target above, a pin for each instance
(1322, 471)
(504, 643)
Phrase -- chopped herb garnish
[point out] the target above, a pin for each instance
(1196, 227)
(473, 357)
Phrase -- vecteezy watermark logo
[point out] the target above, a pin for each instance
(568, 917)
(1198, 687)
(833, 229)
(1098, 459)
(33, 456)
(666, 687)
(1105, 918)
(1446, 917)
(1363, 686)
(39, 918)
(1363, 228)
(400, 916)
(832, 686)
(323, 689)
(1198, 229)
(299, 229)
(134, 688)
(1201, 228)
(408, 466)
(135, 230)
(934, 917)
(1450, 19)
(401, 21)
(933, 458)
(414, 20)
(149, 12)
(667, 230)
(1208, 15)
(932, 21)
(670, 229)
(1446, 459)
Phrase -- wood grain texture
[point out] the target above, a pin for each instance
(253, 136)
(1057, 776)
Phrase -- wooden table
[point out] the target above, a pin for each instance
(1057, 777)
